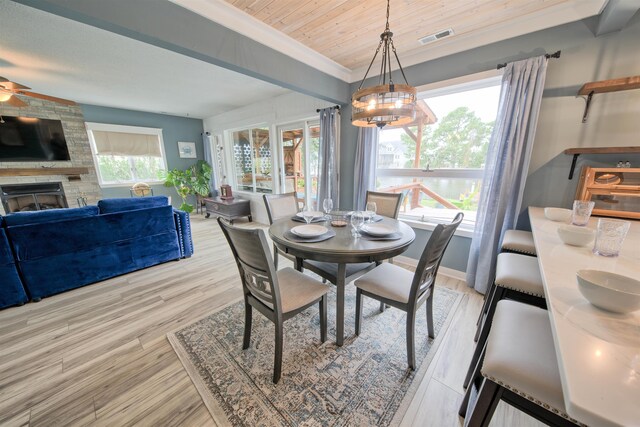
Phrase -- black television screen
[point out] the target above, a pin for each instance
(29, 139)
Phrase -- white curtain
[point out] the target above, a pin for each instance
(507, 165)
(364, 174)
(329, 157)
(208, 156)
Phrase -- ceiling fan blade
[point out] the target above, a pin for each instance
(47, 97)
(12, 85)
(14, 101)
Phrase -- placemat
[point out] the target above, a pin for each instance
(393, 236)
(298, 219)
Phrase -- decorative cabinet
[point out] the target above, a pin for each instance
(228, 209)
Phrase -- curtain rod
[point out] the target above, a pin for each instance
(546, 55)
(337, 107)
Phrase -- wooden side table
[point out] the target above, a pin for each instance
(229, 209)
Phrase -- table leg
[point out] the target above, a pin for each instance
(298, 264)
(340, 285)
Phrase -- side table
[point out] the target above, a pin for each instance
(228, 209)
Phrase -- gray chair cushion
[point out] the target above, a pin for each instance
(520, 354)
(518, 241)
(297, 289)
(520, 273)
(388, 281)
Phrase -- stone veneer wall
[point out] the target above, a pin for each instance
(77, 142)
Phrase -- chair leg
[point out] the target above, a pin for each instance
(476, 381)
(247, 326)
(323, 318)
(484, 333)
(358, 310)
(429, 305)
(485, 303)
(485, 310)
(488, 399)
(275, 257)
(411, 339)
(382, 307)
(277, 361)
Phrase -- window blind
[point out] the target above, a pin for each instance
(126, 144)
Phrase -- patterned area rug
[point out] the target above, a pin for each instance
(364, 382)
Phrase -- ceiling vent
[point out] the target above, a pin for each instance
(435, 36)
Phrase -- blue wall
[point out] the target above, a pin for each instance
(174, 129)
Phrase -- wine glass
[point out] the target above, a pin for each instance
(307, 214)
(327, 205)
(357, 221)
(371, 211)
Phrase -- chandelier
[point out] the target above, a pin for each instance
(387, 103)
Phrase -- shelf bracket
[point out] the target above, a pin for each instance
(573, 165)
(584, 117)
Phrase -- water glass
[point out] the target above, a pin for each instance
(581, 212)
(327, 205)
(609, 236)
(371, 211)
(357, 221)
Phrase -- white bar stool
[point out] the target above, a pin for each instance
(517, 278)
(518, 241)
(518, 366)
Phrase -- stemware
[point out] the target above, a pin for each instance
(371, 211)
(308, 214)
(327, 205)
(357, 221)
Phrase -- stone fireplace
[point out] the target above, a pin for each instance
(77, 176)
(32, 197)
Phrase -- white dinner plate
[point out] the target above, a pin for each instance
(378, 229)
(316, 214)
(310, 230)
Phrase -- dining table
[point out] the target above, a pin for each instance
(342, 249)
(598, 351)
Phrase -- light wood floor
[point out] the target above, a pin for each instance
(98, 355)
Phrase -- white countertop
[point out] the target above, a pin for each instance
(598, 351)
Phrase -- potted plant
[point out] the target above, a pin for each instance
(193, 180)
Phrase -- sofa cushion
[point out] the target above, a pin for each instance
(131, 203)
(49, 215)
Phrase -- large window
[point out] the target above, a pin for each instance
(252, 160)
(438, 160)
(124, 155)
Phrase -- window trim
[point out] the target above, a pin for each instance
(107, 127)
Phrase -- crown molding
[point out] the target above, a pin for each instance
(236, 20)
(557, 15)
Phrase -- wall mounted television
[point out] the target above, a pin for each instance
(30, 139)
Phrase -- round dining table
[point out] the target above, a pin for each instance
(342, 249)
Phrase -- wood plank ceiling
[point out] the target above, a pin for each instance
(348, 31)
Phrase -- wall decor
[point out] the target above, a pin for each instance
(187, 150)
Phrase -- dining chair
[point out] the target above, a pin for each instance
(278, 295)
(518, 366)
(280, 206)
(387, 204)
(407, 291)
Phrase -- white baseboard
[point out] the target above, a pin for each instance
(449, 272)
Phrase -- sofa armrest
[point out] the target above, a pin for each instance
(183, 226)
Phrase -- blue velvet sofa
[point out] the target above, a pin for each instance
(11, 290)
(61, 249)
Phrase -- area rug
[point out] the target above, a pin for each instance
(364, 382)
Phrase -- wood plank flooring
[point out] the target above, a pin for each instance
(98, 355)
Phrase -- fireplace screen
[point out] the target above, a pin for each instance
(33, 197)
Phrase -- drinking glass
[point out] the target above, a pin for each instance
(357, 221)
(581, 212)
(371, 211)
(327, 205)
(307, 214)
(609, 236)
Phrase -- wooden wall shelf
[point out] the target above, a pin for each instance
(42, 171)
(596, 150)
(606, 86)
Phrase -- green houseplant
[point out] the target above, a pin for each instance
(193, 180)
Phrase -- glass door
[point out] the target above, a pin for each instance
(298, 152)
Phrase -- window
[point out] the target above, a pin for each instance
(299, 149)
(438, 160)
(252, 161)
(124, 155)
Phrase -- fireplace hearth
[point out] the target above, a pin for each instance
(32, 197)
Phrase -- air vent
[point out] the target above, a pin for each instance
(435, 36)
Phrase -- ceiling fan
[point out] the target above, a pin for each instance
(9, 89)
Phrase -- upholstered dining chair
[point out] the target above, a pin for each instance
(399, 288)
(387, 204)
(278, 295)
(280, 206)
